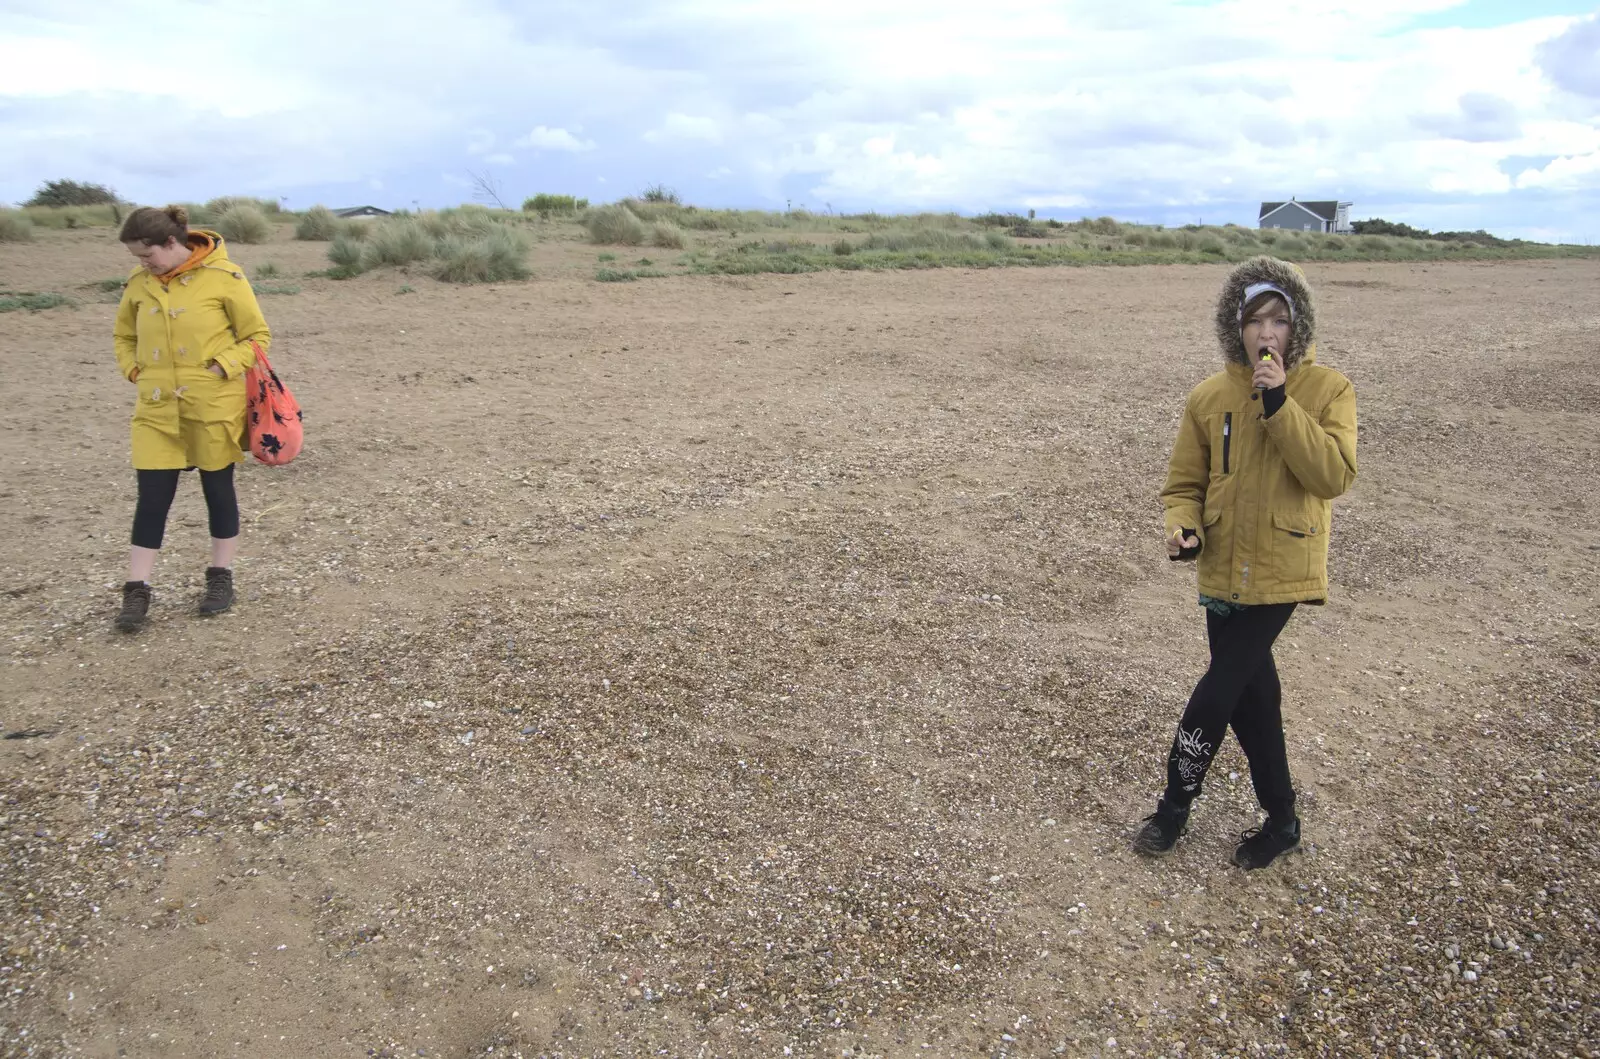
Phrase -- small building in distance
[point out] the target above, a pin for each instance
(1323, 216)
(357, 213)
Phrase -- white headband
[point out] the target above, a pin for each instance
(1262, 288)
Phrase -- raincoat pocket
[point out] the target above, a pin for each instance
(1297, 543)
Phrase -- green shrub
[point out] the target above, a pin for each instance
(1210, 244)
(1098, 225)
(396, 242)
(924, 239)
(997, 241)
(244, 224)
(548, 204)
(650, 212)
(15, 227)
(498, 255)
(407, 289)
(57, 217)
(354, 231)
(267, 271)
(345, 252)
(614, 224)
(470, 219)
(1137, 238)
(1267, 236)
(844, 248)
(222, 204)
(625, 275)
(667, 235)
(199, 216)
(318, 225)
(275, 288)
(112, 284)
(33, 301)
(72, 193)
(434, 223)
(660, 193)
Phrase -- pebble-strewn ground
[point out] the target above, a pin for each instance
(780, 666)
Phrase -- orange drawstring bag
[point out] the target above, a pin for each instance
(272, 415)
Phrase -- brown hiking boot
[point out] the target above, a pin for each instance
(219, 591)
(135, 606)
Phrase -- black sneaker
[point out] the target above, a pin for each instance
(135, 606)
(1161, 830)
(219, 590)
(1265, 844)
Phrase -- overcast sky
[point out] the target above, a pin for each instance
(1441, 113)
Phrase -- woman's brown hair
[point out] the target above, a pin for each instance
(154, 227)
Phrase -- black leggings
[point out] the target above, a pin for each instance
(156, 490)
(1240, 689)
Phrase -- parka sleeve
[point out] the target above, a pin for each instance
(1320, 452)
(125, 335)
(1188, 474)
(244, 313)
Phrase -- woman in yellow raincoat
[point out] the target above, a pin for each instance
(183, 338)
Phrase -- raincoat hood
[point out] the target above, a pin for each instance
(206, 249)
(1281, 274)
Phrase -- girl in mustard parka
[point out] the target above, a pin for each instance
(1263, 448)
(183, 337)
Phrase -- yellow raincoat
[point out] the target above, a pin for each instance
(1260, 490)
(167, 334)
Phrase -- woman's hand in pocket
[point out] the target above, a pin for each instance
(216, 369)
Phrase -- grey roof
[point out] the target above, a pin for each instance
(350, 210)
(1328, 209)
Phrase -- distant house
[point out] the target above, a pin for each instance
(1326, 216)
(359, 212)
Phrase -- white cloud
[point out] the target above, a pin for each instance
(678, 127)
(543, 138)
(1142, 108)
(1564, 173)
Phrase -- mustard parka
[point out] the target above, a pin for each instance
(1259, 490)
(166, 336)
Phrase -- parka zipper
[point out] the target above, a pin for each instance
(1227, 438)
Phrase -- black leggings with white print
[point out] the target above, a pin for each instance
(1239, 689)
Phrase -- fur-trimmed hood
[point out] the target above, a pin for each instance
(1302, 337)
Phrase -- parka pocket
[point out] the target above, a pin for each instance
(1297, 547)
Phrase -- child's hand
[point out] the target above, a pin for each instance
(1179, 541)
(1269, 375)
